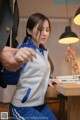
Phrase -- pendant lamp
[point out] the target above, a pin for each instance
(68, 37)
(76, 19)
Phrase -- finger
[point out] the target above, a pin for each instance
(14, 50)
(27, 56)
(21, 59)
(28, 51)
(21, 54)
(57, 82)
(51, 84)
(32, 53)
(24, 55)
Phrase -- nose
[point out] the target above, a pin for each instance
(44, 32)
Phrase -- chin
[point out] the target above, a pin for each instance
(43, 42)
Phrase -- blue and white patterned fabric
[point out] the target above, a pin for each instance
(31, 113)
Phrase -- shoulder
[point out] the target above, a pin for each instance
(28, 44)
(24, 45)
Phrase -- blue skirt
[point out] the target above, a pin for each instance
(31, 113)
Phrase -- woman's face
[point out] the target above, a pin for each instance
(40, 37)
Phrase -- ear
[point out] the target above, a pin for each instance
(29, 31)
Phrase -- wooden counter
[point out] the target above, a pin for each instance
(72, 90)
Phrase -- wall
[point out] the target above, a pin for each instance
(57, 51)
(47, 7)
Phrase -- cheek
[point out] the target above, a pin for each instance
(48, 35)
(34, 35)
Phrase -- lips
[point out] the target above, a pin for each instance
(43, 38)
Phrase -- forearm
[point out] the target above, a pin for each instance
(13, 58)
(3, 51)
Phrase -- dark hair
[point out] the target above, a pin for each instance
(33, 20)
(51, 66)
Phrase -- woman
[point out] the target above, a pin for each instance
(28, 100)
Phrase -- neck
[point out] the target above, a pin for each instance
(36, 43)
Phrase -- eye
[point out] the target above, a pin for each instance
(47, 30)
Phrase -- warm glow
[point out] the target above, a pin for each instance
(69, 40)
(77, 20)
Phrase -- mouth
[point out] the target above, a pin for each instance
(43, 38)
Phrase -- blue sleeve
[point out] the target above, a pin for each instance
(10, 78)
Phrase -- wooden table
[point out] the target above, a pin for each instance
(72, 90)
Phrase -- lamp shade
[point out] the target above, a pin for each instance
(76, 19)
(68, 37)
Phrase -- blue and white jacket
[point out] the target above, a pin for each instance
(32, 78)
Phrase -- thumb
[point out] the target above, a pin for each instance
(50, 84)
(14, 50)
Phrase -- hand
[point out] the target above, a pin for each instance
(52, 82)
(13, 58)
(24, 55)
